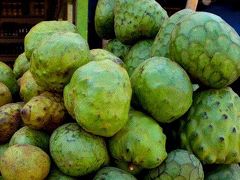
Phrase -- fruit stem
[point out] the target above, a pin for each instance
(192, 4)
(131, 167)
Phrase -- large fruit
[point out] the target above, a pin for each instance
(138, 53)
(56, 59)
(112, 173)
(5, 95)
(162, 40)
(56, 174)
(26, 135)
(207, 48)
(21, 65)
(42, 31)
(140, 143)
(104, 19)
(134, 20)
(10, 120)
(162, 88)
(180, 164)
(99, 95)
(77, 152)
(8, 78)
(212, 130)
(117, 48)
(24, 162)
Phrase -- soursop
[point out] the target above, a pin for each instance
(21, 65)
(117, 48)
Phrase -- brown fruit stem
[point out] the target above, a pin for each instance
(192, 4)
(131, 167)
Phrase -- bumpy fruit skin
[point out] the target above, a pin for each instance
(56, 174)
(180, 164)
(26, 135)
(225, 172)
(21, 65)
(162, 88)
(112, 173)
(161, 42)
(22, 162)
(77, 152)
(42, 31)
(99, 96)
(28, 87)
(138, 53)
(117, 48)
(207, 48)
(10, 120)
(134, 20)
(8, 78)
(212, 130)
(5, 95)
(53, 71)
(104, 19)
(140, 142)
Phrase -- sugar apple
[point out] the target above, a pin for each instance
(21, 65)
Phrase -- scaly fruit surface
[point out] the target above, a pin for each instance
(212, 130)
(207, 48)
(5, 95)
(162, 88)
(21, 65)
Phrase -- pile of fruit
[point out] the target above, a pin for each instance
(155, 103)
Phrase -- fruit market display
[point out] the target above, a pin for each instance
(156, 103)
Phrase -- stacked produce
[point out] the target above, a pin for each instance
(155, 103)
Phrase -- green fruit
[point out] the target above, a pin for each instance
(53, 71)
(45, 111)
(10, 120)
(140, 143)
(8, 78)
(26, 135)
(134, 20)
(56, 174)
(112, 173)
(117, 48)
(104, 19)
(137, 54)
(5, 95)
(28, 87)
(162, 88)
(99, 96)
(207, 48)
(44, 30)
(162, 40)
(180, 164)
(21, 65)
(23, 162)
(212, 129)
(77, 152)
(3, 148)
(225, 172)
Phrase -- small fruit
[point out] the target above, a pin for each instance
(5, 95)
(21, 65)
(117, 48)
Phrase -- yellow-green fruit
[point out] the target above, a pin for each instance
(24, 162)
(21, 65)
(5, 95)
(10, 120)
(45, 111)
(42, 31)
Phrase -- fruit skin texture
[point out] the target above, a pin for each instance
(225, 172)
(161, 42)
(138, 53)
(53, 71)
(134, 20)
(22, 162)
(211, 56)
(8, 78)
(140, 142)
(21, 65)
(180, 164)
(162, 88)
(117, 48)
(44, 30)
(28, 87)
(56, 174)
(99, 101)
(112, 173)
(5, 95)
(212, 130)
(10, 120)
(104, 19)
(45, 111)
(77, 152)
(26, 135)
